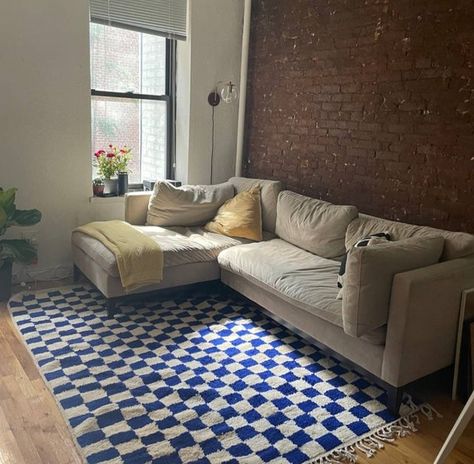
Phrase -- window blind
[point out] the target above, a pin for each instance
(163, 17)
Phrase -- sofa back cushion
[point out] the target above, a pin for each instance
(314, 225)
(456, 244)
(190, 205)
(369, 275)
(268, 194)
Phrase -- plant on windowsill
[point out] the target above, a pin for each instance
(110, 163)
(98, 187)
(14, 250)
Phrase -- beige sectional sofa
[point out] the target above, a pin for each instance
(292, 275)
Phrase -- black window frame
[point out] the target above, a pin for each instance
(169, 97)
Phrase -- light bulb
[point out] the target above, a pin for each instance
(229, 92)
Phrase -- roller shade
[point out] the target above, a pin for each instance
(163, 17)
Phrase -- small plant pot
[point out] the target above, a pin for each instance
(122, 183)
(6, 281)
(98, 190)
(110, 186)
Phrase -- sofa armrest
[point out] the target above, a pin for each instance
(423, 319)
(136, 207)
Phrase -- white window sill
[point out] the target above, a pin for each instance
(107, 200)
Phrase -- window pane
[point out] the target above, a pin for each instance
(127, 61)
(153, 64)
(138, 124)
(153, 139)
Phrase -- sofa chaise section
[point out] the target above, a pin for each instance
(190, 253)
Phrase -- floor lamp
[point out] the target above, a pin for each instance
(226, 92)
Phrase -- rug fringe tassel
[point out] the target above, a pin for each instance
(374, 441)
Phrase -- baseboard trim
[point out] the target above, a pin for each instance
(35, 274)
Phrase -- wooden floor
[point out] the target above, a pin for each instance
(33, 431)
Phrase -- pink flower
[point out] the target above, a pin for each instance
(110, 155)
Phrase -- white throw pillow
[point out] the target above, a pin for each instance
(190, 205)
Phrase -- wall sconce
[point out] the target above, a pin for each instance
(227, 92)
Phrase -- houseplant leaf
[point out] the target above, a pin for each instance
(26, 217)
(19, 250)
(3, 220)
(7, 201)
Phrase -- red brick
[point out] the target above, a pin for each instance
(384, 122)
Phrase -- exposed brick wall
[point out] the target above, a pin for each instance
(366, 102)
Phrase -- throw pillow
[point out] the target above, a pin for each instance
(369, 276)
(190, 205)
(240, 216)
(372, 239)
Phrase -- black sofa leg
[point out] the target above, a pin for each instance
(394, 399)
(111, 305)
(76, 274)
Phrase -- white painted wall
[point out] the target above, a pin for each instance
(183, 104)
(44, 119)
(212, 54)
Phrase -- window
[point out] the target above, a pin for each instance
(132, 82)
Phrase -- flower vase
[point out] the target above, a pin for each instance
(122, 183)
(110, 186)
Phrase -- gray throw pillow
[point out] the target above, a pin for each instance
(369, 276)
(374, 239)
(190, 205)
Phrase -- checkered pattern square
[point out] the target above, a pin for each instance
(198, 379)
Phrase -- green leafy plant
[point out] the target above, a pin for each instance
(19, 250)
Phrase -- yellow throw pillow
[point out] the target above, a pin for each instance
(240, 216)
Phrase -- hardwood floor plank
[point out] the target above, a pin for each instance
(16, 345)
(10, 447)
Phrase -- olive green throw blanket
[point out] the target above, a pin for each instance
(139, 258)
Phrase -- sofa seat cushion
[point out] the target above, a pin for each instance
(180, 245)
(294, 275)
(290, 271)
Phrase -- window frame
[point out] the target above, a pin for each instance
(169, 97)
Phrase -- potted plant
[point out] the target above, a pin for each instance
(98, 187)
(105, 163)
(109, 163)
(14, 250)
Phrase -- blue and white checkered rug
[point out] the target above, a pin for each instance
(192, 380)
